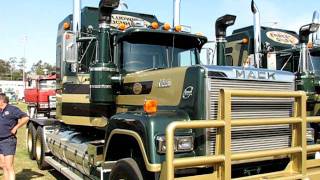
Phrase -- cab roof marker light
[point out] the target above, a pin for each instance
(122, 27)
(166, 26)
(66, 26)
(178, 28)
(154, 25)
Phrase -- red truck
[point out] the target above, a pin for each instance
(40, 95)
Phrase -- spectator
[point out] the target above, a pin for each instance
(11, 119)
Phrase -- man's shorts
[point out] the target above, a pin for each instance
(8, 146)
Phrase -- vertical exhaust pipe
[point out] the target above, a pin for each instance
(176, 12)
(76, 24)
(316, 35)
(257, 34)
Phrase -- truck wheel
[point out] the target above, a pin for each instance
(31, 141)
(126, 169)
(40, 150)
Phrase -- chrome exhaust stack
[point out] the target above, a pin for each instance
(76, 24)
(316, 35)
(257, 34)
(176, 12)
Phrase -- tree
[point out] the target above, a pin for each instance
(9, 70)
(38, 68)
(4, 67)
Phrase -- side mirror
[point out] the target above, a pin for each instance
(70, 49)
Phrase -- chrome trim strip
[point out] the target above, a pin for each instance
(101, 86)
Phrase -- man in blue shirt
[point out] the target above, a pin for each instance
(11, 119)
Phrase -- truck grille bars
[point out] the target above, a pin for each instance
(223, 157)
(252, 138)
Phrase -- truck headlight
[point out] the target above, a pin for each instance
(310, 134)
(181, 144)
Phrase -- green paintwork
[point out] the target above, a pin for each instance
(221, 56)
(235, 49)
(149, 127)
(102, 78)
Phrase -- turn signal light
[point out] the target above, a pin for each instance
(154, 25)
(150, 106)
(166, 26)
(245, 41)
(178, 28)
(66, 26)
(122, 26)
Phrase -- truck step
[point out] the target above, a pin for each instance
(62, 169)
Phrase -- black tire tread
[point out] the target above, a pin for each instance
(32, 153)
(42, 164)
(129, 166)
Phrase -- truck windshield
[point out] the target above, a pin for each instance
(47, 84)
(137, 57)
(316, 64)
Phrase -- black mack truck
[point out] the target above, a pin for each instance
(125, 81)
(280, 49)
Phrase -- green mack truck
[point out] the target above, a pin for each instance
(134, 102)
(279, 49)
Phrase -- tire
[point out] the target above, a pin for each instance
(40, 150)
(126, 169)
(31, 141)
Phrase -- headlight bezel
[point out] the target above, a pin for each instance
(178, 139)
(310, 134)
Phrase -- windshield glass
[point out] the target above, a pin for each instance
(316, 64)
(47, 84)
(137, 57)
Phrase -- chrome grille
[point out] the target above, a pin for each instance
(252, 138)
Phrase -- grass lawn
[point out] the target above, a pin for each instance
(24, 167)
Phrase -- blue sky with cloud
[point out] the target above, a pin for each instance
(38, 19)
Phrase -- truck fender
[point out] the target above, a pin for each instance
(150, 167)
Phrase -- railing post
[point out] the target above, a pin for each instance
(225, 115)
(170, 151)
(299, 135)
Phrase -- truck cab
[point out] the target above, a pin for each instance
(40, 95)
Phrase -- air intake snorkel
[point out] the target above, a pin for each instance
(104, 69)
(305, 76)
(304, 33)
(222, 23)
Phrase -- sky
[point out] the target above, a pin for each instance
(29, 28)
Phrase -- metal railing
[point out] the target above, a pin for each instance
(222, 160)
